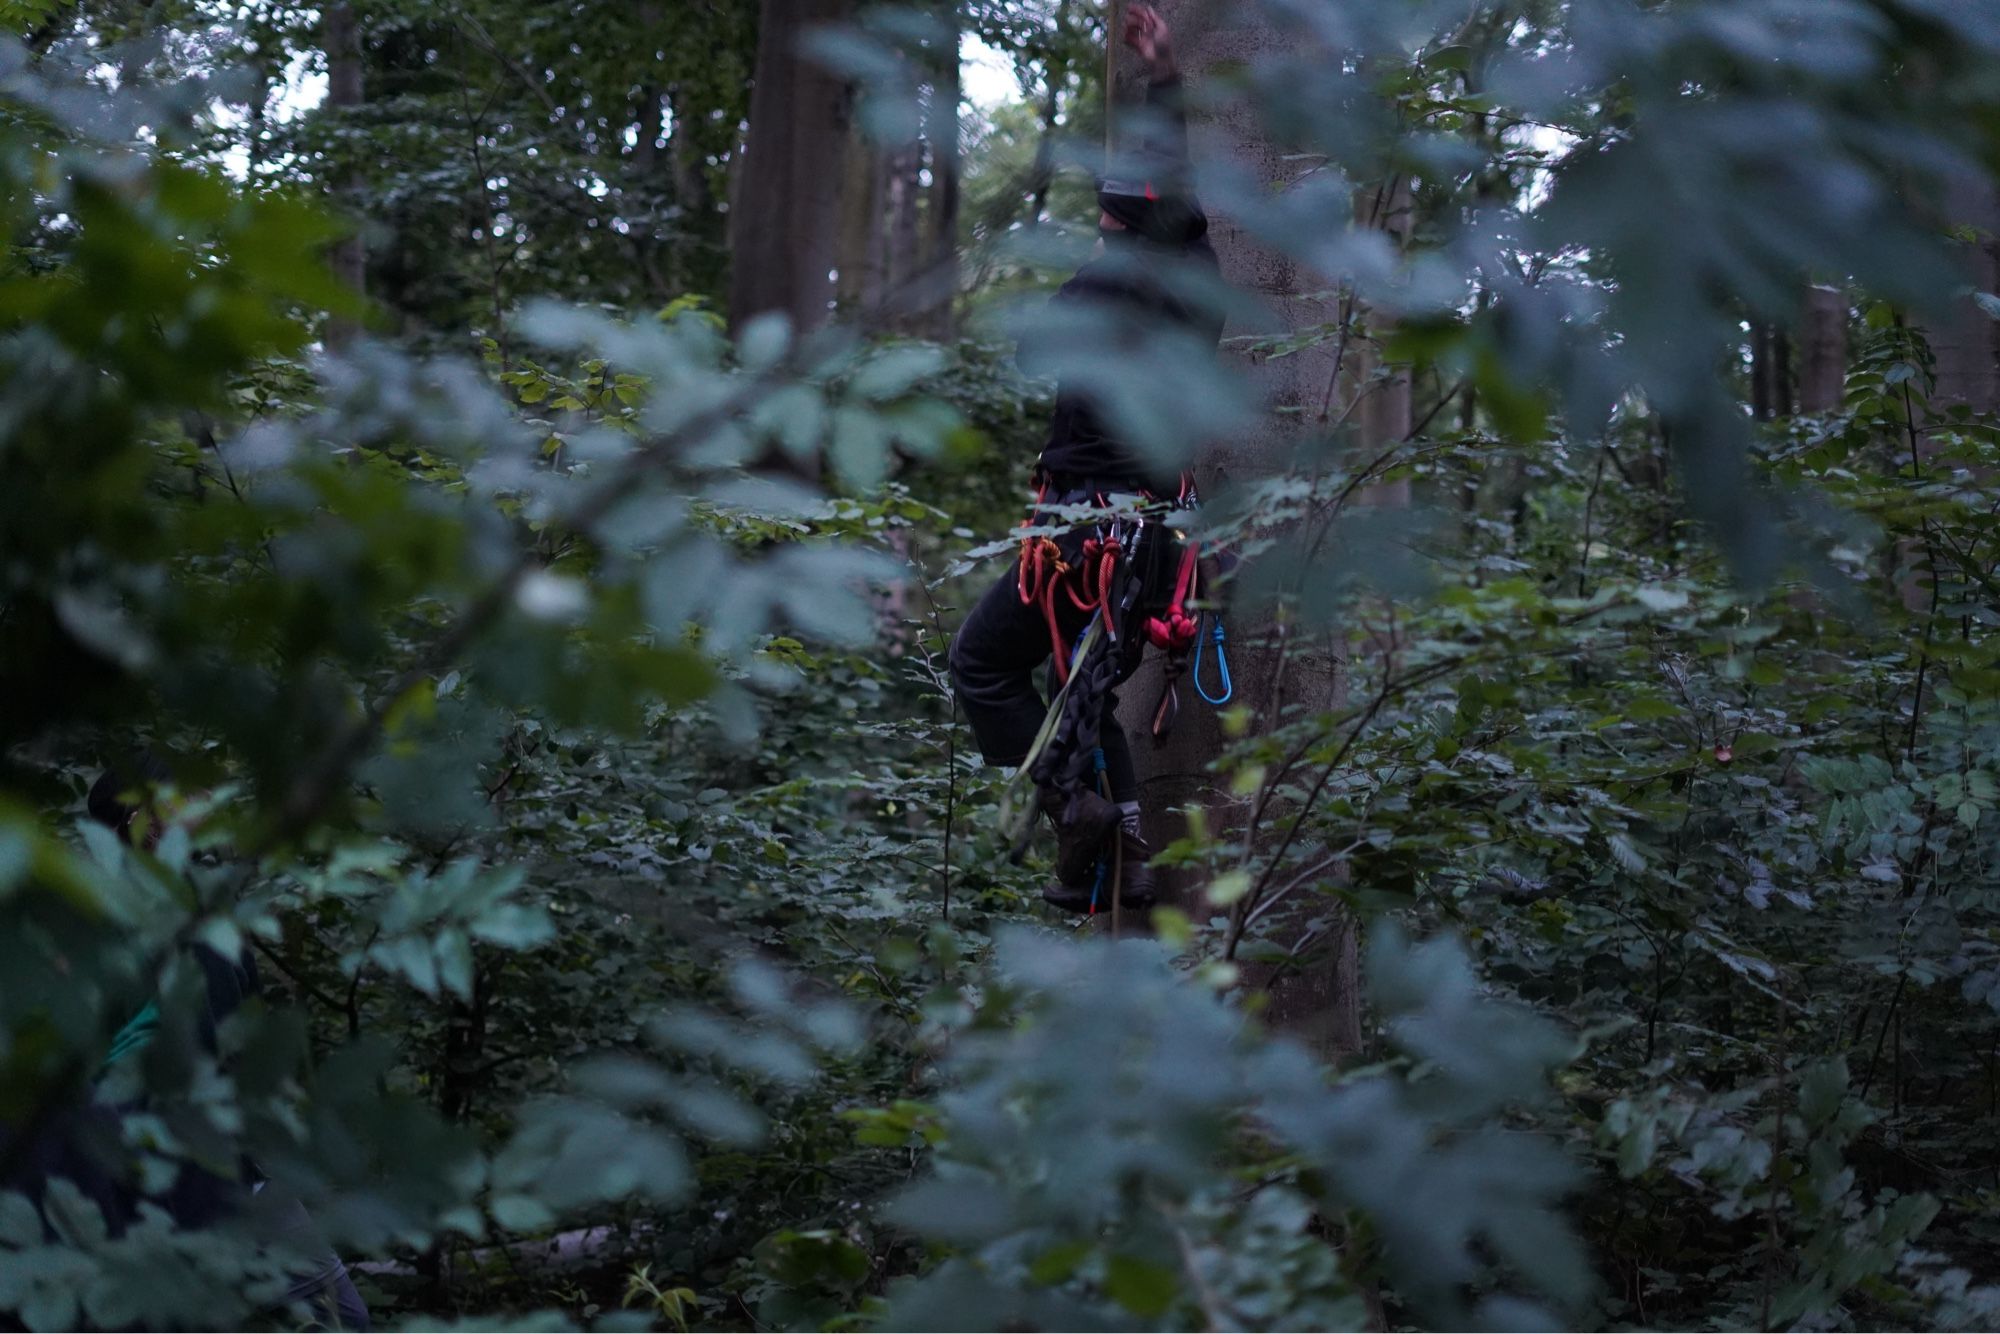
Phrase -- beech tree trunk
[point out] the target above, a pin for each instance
(941, 259)
(1823, 351)
(693, 239)
(858, 288)
(1055, 74)
(1321, 1001)
(349, 258)
(1967, 342)
(1384, 405)
(905, 252)
(784, 219)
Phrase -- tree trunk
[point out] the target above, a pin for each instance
(1321, 1001)
(693, 239)
(858, 288)
(1385, 413)
(1045, 147)
(1823, 351)
(903, 262)
(1760, 371)
(1770, 371)
(349, 258)
(1781, 372)
(941, 263)
(785, 218)
(1967, 341)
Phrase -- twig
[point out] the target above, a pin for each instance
(1298, 821)
(1895, 1003)
(1304, 877)
(1773, 1240)
(1212, 1307)
(1589, 523)
(277, 961)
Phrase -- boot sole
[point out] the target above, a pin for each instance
(1078, 900)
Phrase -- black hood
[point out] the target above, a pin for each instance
(1164, 217)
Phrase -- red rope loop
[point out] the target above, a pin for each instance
(1174, 630)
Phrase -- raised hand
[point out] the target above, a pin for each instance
(1148, 34)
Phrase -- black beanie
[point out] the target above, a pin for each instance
(1174, 218)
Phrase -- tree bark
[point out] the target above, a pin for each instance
(344, 93)
(1823, 351)
(784, 220)
(695, 237)
(1322, 1000)
(941, 263)
(1770, 371)
(1056, 74)
(902, 262)
(858, 289)
(1385, 411)
(1760, 371)
(1966, 342)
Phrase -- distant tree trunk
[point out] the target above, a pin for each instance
(1823, 351)
(941, 262)
(254, 122)
(1967, 341)
(1770, 371)
(1384, 413)
(1760, 371)
(652, 243)
(1045, 146)
(858, 289)
(1781, 366)
(903, 266)
(784, 219)
(694, 237)
(343, 95)
(648, 110)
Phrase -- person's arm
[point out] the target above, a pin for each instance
(1150, 37)
(1167, 126)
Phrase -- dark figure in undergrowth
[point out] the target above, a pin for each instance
(85, 1139)
(1126, 572)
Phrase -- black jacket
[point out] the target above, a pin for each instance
(1137, 289)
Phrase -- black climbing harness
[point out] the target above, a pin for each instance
(1141, 582)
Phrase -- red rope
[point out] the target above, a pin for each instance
(1175, 630)
(1042, 572)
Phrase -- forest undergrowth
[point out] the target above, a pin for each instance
(549, 696)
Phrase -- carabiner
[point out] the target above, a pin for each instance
(1225, 687)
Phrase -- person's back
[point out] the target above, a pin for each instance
(1154, 277)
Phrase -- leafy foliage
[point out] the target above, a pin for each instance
(638, 945)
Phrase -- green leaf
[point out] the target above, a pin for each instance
(1140, 1286)
(1228, 887)
(20, 1225)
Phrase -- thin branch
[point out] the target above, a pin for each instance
(298, 980)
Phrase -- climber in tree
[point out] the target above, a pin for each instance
(1143, 280)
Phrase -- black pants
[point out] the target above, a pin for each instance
(994, 658)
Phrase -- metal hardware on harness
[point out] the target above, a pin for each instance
(1226, 689)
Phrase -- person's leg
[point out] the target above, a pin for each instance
(332, 1302)
(993, 660)
(1120, 775)
(1135, 877)
(320, 1284)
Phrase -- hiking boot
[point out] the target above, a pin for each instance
(1135, 881)
(1136, 885)
(1083, 824)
